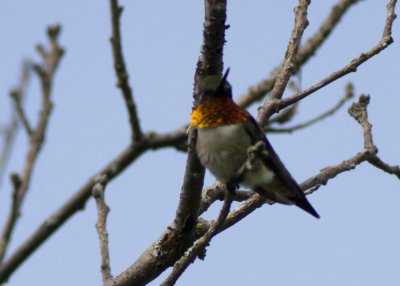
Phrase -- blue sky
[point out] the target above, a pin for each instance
(354, 243)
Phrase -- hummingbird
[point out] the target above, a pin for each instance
(225, 133)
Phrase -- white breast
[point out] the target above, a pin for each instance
(223, 150)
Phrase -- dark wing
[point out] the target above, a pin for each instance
(275, 164)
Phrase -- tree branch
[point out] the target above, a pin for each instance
(198, 248)
(349, 93)
(16, 97)
(377, 162)
(11, 130)
(217, 192)
(102, 212)
(285, 116)
(289, 65)
(121, 71)
(45, 72)
(359, 112)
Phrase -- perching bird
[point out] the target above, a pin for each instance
(225, 132)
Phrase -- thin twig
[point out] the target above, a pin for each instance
(217, 192)
(189, 203)
(258, 91)
(359, 112)
(121, 71)
(285, 116)
(289, 64)
(377, 162)
(347, 96)
(45, 72)
(102, 212)
(17, 98)
(210, 60)
(11, 130)
(198, 248)
(289, 113)
(16, 182)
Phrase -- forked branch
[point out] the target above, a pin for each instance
(45, 72)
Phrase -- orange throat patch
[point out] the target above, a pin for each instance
(216, 112)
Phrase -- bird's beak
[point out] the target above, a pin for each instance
(223, 80)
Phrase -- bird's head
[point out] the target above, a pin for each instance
(214, 86)
(216, 107)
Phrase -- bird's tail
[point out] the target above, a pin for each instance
(305, 205)
(300, 201)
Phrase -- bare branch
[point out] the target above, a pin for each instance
(198, 248)
(349, 93)
(217, 192)
(259, 90)
(21, 113)
(121, 71)
(285, 116)
(102, 212)
(186, 214)
(14, 214)
(45, 72)
(359, 112)
(176, 139)
(288, 68)
(210, 60)
(331, 172)
(377, 162)
(391, 16)
(11, 130)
